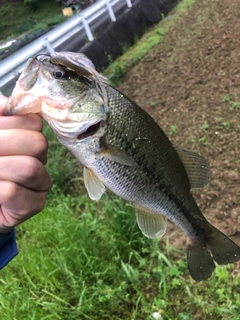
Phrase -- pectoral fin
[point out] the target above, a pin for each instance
(198, 169)
(117, 155)
(93, 184)
(152, 225)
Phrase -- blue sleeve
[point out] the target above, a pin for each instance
(8, 248)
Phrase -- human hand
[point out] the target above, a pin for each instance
(24, 181)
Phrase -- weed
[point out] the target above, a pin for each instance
(205, 126)
(235, 105)
(227, 124)
(223, 124)
(117, 75)
(226, 98)
(192, 138)
(110, 59)
(203, 140)
(172, 130)
(153, 104)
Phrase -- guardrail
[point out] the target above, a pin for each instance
(13, 65)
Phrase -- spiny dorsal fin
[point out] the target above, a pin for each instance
(198, 169)
(152, 225)
(93, 184)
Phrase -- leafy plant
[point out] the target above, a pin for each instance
(172, 130)
(226, 98)
(235, 105)
(117, 75)
(203, 140)
(205, 126)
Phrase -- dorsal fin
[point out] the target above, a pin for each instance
(93, 184)
(198, 169)
(152, 225)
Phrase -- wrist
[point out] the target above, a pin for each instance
(5, 230)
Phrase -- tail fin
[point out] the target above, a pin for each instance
(202, 254)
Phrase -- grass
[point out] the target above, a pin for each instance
(81, 259)
(19, 19)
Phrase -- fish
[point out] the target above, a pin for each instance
(124, 150)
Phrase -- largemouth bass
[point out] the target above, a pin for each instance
(123, 149)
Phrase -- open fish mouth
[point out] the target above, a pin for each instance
(73, 130)
(90, 131)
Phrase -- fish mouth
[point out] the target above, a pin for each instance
(75, 130)
(90, 131)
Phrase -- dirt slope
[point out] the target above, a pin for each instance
(191, 81)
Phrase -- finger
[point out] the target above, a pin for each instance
(18, 204)
(23, 142)
(28, 122)
(26, 171)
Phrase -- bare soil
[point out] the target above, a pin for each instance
(191, 80)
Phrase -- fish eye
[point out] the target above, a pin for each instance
(60, 74)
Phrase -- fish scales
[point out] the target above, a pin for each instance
(159, 182)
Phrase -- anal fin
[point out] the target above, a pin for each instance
(93, 184)
(152, 225)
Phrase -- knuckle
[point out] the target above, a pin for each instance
(32, 169)
(35, 176)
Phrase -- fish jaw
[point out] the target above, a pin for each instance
(39, 91)
(36, 92)
(22, 101)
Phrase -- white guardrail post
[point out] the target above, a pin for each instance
(49, 46)
(129, 3)
(110, 10)
(87, 28)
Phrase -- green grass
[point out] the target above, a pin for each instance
(19, 19)
(81, 259)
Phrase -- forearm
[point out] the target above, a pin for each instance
(8, 248)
